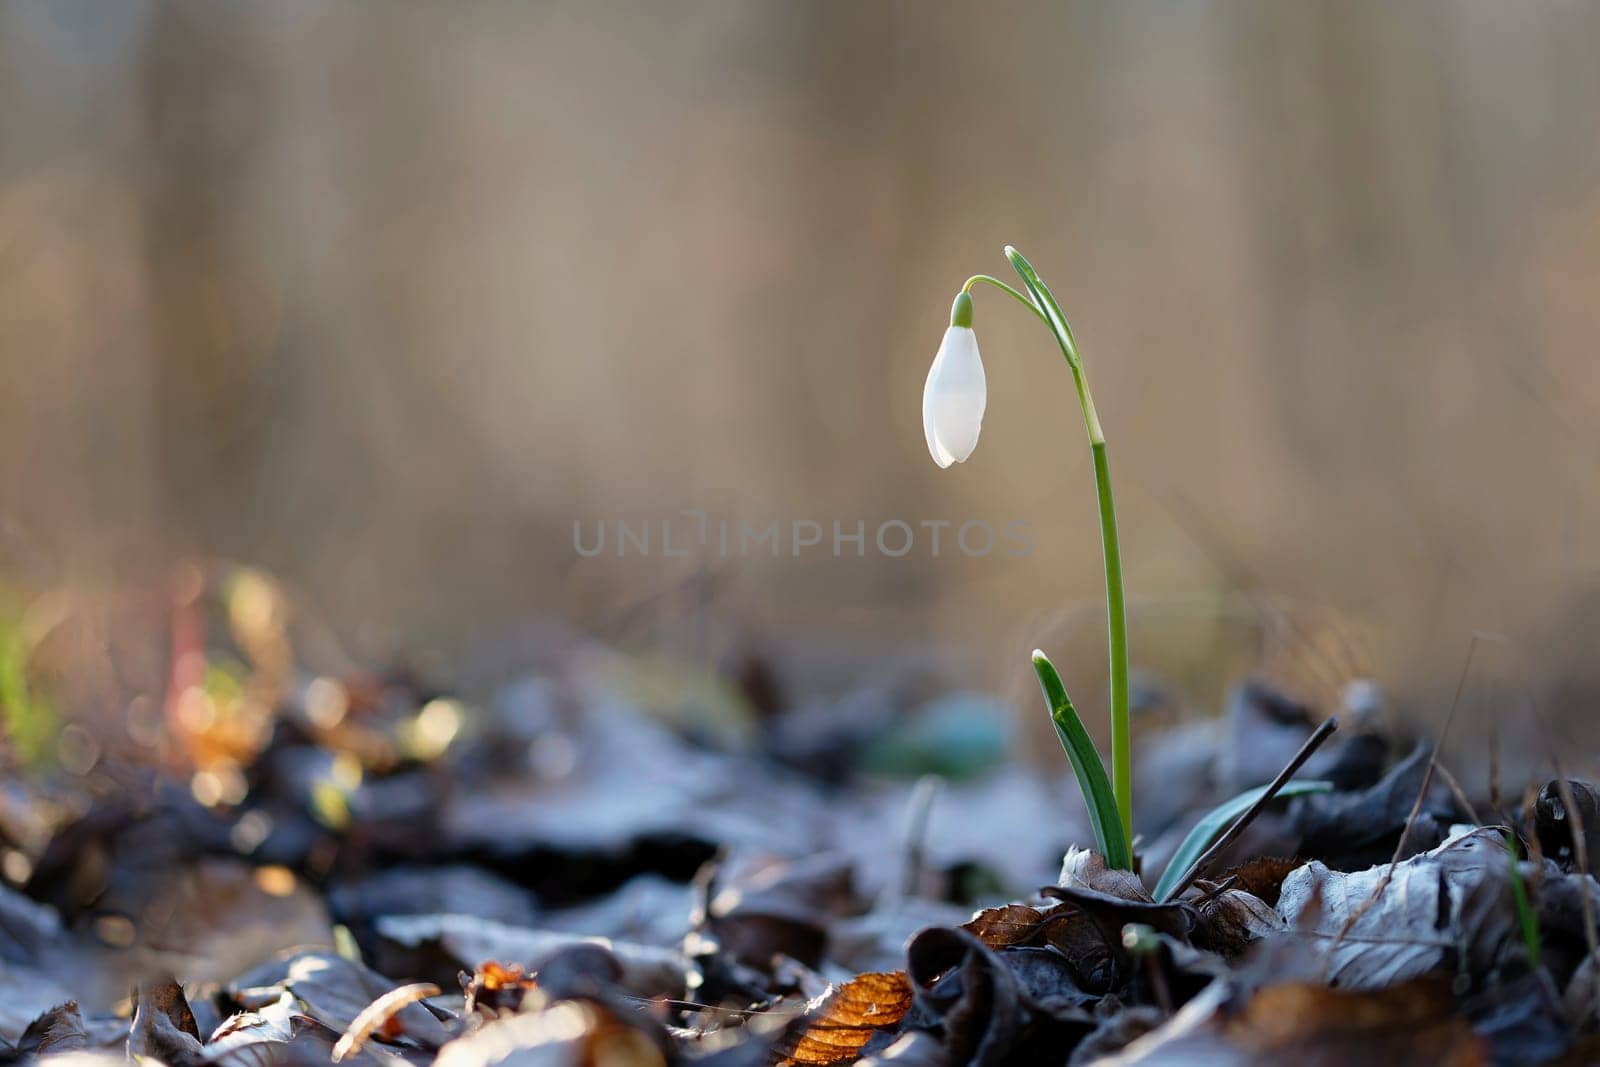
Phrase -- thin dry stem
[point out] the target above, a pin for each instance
(1416, 809)
(1228, 836)
(1459, 793)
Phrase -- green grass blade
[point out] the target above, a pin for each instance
(1526, 919)
(1217, 820)
(1097, 796)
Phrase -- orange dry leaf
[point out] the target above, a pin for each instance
(1310, 1023)
(496, 989)
(840, 1021)
(1010, 924)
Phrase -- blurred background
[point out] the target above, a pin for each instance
(384, 299)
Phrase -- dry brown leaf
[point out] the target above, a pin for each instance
(1009, 924)
(1261, 877)
(213, 917)
(1390, 923)
(1413, 1023)
(1082, 868)
(647, 970)
(977, 997)
(1231, 921)
(1311, 1025)
(58, 1030)
(163, 1026)
(1583, 1053)
(841, 1021)
(333, 991)
(570, 1032)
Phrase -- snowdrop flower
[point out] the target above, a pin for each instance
(955, 394)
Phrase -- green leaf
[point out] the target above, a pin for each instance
(1519, 897)
(1217, 820)
(1097, 796)
(1045, 300)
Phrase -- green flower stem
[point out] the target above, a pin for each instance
(1117, 631)
(998, 284)
(1044, 303)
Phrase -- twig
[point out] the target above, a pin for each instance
(1460, 794)
(1530, 796)
(1416, 809)
(1580, 852)
(1228, 836)
(377, 1015)
(1494, 764)
(1211, 890)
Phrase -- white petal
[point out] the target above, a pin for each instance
(940, 456)
(954, 398)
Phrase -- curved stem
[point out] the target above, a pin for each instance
(998, 284)
(1044, 302)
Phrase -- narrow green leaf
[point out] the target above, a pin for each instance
(1045, 300)
(1097, 796)
(1217, 820)
(1519, 897)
